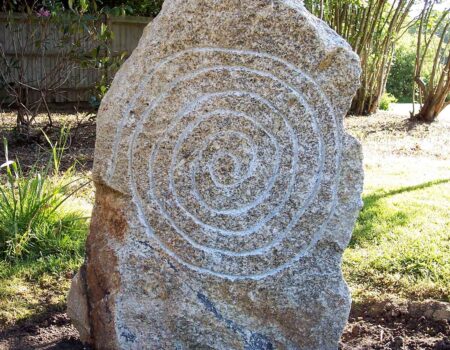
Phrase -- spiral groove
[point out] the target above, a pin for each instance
(238, 148)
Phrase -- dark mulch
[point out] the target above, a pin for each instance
(49, 331)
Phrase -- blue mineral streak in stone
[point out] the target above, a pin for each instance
(252, 340)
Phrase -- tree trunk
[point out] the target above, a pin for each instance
(431, 109)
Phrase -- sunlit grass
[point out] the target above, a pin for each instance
(37, 284)
(43, 229)
(401, 243)
(30, 288)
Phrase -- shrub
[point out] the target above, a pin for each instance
(34, 220)
(386, 100)
(401, 77)
(136, 7)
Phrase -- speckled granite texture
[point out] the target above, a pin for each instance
(227, 188)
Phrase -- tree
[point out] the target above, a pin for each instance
(372, 28)
(433, 42)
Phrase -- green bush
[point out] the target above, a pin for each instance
(386, 100)
(400, 81)
(34, 218)
(148, 8)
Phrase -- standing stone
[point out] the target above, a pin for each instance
(227, 188)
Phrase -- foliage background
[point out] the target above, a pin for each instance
(400, 82)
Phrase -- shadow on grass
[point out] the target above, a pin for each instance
(376, 218)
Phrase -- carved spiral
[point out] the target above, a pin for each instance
(241, 155)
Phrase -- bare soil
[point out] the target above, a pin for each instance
(49, 331)
(383, 134)
(388, 134)
(79, 148)
(386, 325)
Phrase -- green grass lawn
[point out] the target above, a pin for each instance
(401, 243)
(39, 284)
(30, 288)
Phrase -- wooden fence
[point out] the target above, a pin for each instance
(80, 83)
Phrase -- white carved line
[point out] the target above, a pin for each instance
(195, 103)
(191, 107)
(236, 161)
(243, 209)
(140, 90)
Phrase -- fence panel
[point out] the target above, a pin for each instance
(80, 83)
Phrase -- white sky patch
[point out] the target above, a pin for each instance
(419, 6)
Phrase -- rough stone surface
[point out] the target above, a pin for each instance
(77, 306)
(227, 188)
